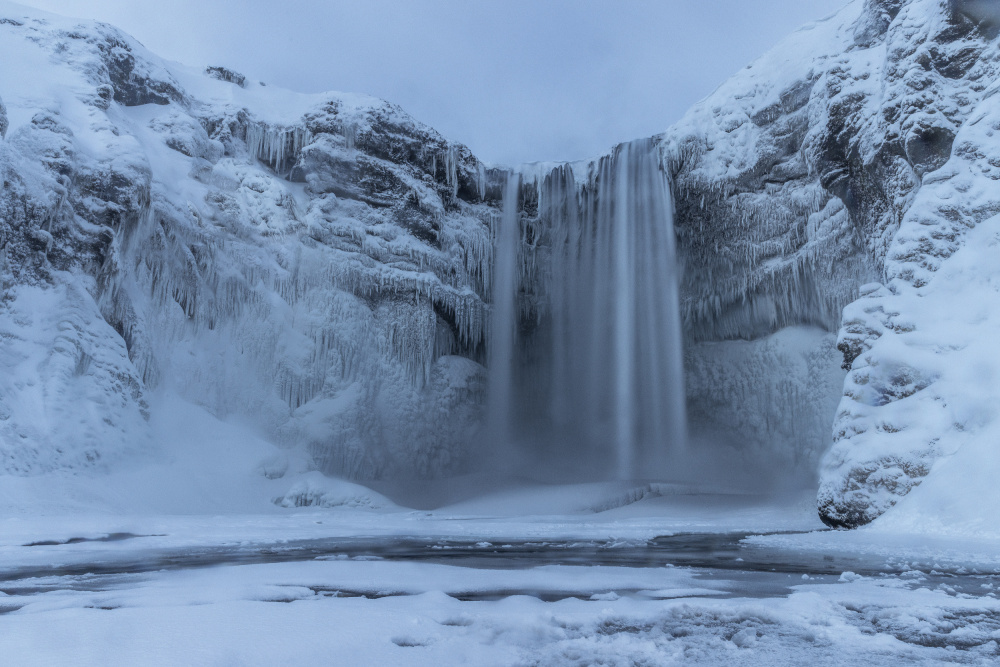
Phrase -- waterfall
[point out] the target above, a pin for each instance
(503, 324)
(596, 379)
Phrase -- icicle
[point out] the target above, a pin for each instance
(351, 135)
(276, 147)
(451, 169)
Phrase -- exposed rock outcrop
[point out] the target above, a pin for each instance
(226, 74)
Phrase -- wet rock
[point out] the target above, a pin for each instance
(985, 14)
(866, 491)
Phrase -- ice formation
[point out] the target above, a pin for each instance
(277, 147)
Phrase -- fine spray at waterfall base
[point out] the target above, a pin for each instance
(586, 362)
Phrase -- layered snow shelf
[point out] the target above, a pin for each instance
(326, 269)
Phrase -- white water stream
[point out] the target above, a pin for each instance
(605, 378)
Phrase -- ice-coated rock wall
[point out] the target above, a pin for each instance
(921, 384)
(3, 119)
(767, 248)
(842, 169)
(317, 265)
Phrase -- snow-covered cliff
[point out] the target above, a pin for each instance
(316, 265)
(845, 168)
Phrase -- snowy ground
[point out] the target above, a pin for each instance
(530, 577)
(187, 559)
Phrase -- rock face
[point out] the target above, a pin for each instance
(768, 246)
(320, 271)
(906, 404)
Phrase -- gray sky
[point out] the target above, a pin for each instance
(515, 80)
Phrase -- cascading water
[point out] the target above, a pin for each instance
(503, 338)
(597, 379)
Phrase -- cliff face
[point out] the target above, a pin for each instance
(919, 386)
(316, 264)
(853, 156)
(321, 265)
(771, 249)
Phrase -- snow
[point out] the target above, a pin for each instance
(210, 303)
(316, 316)
(364, 610)
(65, 380)
(960, 405)
(722, 120)
(920, 397)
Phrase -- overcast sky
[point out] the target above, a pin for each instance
(515, 80)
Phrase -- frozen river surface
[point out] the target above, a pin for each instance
(659, 581)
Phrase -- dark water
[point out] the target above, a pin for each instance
(722, 560)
